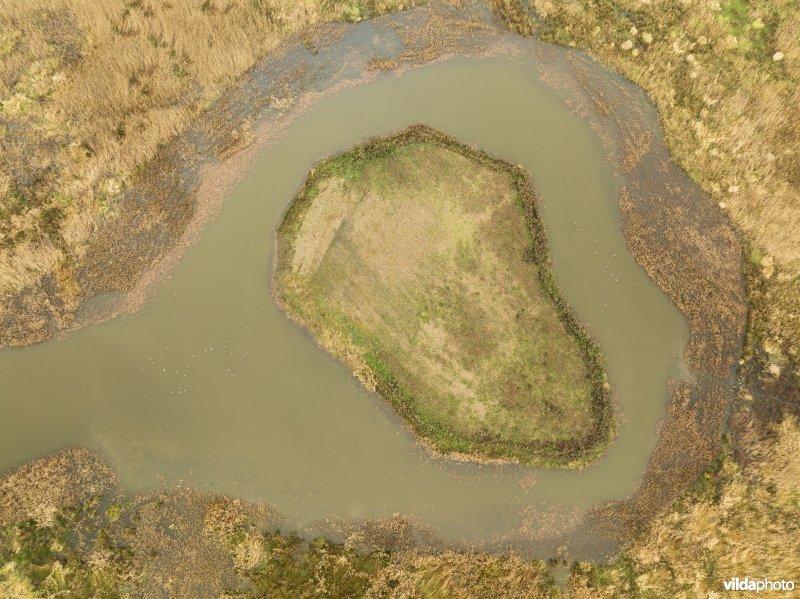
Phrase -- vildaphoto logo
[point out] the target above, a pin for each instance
(758, 584)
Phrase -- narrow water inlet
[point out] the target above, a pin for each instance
(211, 384)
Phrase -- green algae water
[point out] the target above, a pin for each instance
(211, 385)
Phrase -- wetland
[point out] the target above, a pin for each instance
(209, 384)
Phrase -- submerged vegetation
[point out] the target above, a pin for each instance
(42, 561)
(422, 264)
(64, 535)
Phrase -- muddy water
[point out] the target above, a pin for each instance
(212, 385)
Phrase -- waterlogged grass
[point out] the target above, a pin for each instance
(189, 545)
(43, 560)
(422, 264)
(297, 566)
(733, 522)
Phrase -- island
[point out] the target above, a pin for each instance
(423, 265)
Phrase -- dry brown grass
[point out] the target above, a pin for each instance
(736, 523)
(89, 90)
(41, 488)
(461, 576)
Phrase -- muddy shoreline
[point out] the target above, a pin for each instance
(674, 232)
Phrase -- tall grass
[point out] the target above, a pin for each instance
(89, 89)
(736, 522)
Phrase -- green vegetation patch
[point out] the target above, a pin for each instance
(45, 560)
(756, 34)
(83, 554)
(422, 263)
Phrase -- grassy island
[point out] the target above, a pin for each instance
(422, 264)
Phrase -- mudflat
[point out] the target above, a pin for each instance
(422, 265)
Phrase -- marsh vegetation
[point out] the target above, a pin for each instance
(725, 77)
(423, 265)
(66, 530)
(91, 90)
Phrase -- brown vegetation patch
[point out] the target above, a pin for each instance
(180, 542)
(382, 64)
(39, 489)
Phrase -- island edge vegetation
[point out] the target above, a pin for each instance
(366, 352)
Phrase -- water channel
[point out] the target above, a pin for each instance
(212, 385)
